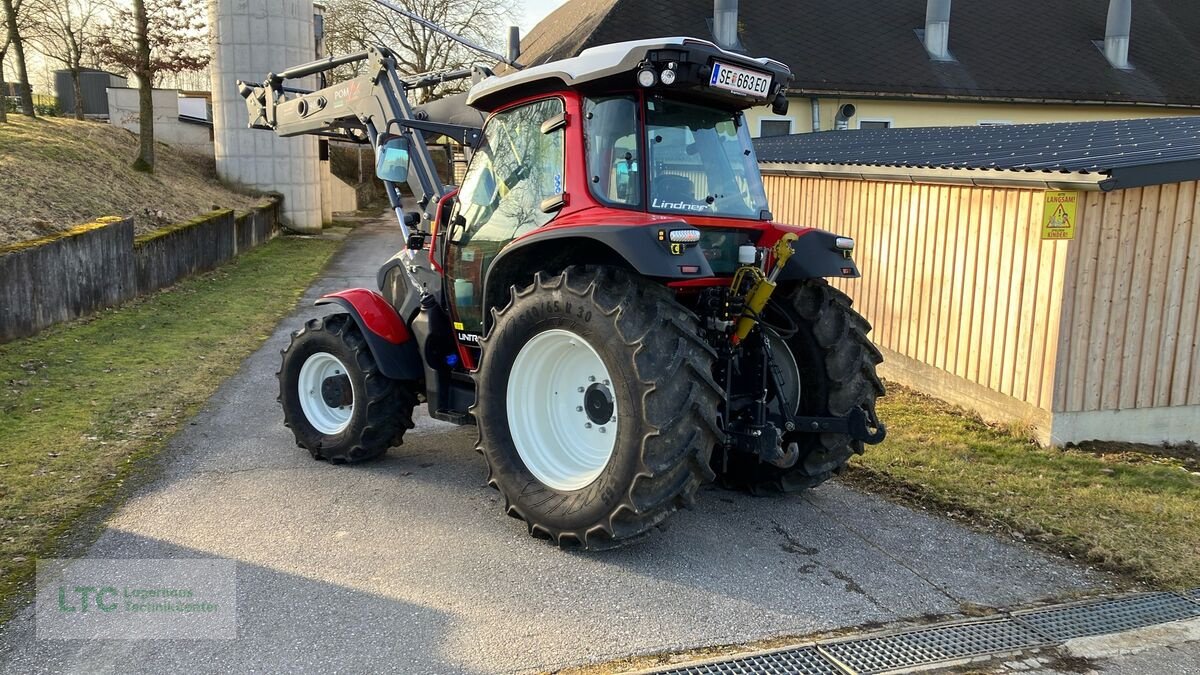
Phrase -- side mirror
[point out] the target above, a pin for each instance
(391, 162)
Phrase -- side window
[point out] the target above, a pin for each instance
(516, 171)
(612, 150)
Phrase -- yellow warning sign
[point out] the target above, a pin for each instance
(1058, 218)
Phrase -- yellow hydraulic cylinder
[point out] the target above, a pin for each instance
(762, 288)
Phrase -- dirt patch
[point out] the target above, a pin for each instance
(1187, 454)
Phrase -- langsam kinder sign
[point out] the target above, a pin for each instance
(1059, 214)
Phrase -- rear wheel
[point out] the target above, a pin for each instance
(836, 364)
(335, 400)
(596, 407)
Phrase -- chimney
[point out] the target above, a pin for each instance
(937, 30)
(1116, 33)
(725, 23)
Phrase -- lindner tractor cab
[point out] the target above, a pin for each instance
(606, 295)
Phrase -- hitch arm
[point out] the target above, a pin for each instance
(855, 425)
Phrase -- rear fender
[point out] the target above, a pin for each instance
(390, 340)
(633, 247)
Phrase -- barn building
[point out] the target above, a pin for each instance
(1044, 274)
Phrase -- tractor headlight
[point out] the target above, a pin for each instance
(844, 243)
(684, 236)
(668, 75)
(646, 76)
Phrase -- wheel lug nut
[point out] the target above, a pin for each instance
(581, 390)
(601, 429)
(591, 378)
(578, 408)
(587, 425)
(614, 418)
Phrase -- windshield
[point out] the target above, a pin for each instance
(700, 159)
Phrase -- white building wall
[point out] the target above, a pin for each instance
(124, 110)
(250, 39)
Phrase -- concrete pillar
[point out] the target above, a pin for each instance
(251, 38)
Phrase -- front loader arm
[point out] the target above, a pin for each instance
(370, 108)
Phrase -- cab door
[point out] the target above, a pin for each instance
(509, 189)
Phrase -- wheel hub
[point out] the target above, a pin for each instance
(336, 391)
(598, 403)
(326, 393)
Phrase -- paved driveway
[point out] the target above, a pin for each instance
(407, 564)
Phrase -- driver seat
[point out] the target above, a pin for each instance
(674, 188)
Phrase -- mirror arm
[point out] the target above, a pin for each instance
(466, 135)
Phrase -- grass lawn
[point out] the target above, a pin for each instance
(82, 403)
(1133, 513)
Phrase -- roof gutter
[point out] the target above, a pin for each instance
(1045, 180)
(962, 98)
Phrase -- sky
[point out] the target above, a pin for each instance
(532, 11)
(535, 11)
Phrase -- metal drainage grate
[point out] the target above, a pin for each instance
(1194, 594)
(923, 646)
(1107, 616)
(801, 661)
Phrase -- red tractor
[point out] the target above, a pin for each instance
(605, 296)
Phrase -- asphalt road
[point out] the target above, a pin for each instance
(408, 564)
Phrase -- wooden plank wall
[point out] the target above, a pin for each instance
(1133, 286)
(956, 277)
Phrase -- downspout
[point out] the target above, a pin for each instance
(816, 113)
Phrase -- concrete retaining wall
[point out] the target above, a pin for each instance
(101, 264)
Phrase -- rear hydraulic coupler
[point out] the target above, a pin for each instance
(761, 287)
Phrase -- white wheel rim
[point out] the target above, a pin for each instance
(325, 418)
(556, 394)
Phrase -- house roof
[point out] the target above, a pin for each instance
(1125, 153)
(1012, 50)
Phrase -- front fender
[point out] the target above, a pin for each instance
(816, 255)
(389, 339)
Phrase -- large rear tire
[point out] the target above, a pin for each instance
(837, 362)
(596, 406)
(335, 400)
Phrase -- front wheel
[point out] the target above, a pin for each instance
(596, 406)
(335, 400)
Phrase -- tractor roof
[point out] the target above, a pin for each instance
(614, 67)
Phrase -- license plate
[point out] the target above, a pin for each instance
(739, 80)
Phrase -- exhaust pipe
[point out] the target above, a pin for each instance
(513, 45)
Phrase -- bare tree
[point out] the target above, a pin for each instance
(15, 40)
(155, 37)
(352, 25)
(66, 31)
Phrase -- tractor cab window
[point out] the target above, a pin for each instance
(611, 129)
(514, 174)
(701, 161)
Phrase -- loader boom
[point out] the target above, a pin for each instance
(371, 108)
